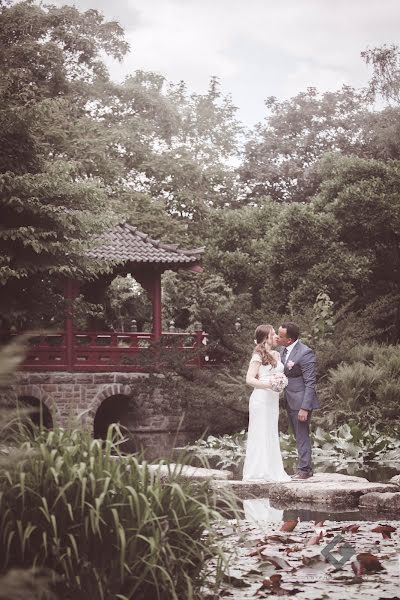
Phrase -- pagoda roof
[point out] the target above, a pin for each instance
(124, 243)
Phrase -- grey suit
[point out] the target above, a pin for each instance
(300, 393)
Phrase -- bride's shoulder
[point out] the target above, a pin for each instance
(256, 357)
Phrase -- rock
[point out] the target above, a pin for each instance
(395, 480)
(323, 489)
(331, 489)
(388, 501)
(189, 472)
(244, 489)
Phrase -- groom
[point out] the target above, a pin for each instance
(299, 396)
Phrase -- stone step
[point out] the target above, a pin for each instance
(388, 501)
(189, 472)
(323, 489)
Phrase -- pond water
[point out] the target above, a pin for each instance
(168, 445)
(310, 514)
(156, 445)
(261, 510)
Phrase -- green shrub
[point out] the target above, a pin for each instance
(389, 361)
(354, 385)
(105, 524)
(368, 383)
(388, 396)
(364, 353)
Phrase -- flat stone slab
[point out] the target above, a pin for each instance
(245, 489)
(332, 489)
(324, 489)
(388, 501)
(189, 472)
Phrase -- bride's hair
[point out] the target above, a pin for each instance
(262, 334)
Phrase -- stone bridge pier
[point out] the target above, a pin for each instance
(141, 403)
(74, 399)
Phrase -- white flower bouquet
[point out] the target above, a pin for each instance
(278, 382)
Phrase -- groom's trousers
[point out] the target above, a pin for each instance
(301, 430)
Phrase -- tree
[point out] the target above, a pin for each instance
(52, 198)
(363, 198)
(281, 154)
(185, 167)
(126, 301)
(239, 243)
(385, 80)
(82, 152)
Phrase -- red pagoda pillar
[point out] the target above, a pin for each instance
(70, 294)
(156, 301)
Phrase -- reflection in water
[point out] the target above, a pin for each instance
(259, 510)
(357, 514)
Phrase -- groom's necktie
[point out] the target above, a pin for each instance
(284, 355)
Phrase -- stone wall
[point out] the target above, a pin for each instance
(152, 404)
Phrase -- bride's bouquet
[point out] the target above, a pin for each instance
(278, 382)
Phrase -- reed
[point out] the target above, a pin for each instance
(105, 524)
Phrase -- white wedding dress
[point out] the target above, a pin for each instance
(263, 453)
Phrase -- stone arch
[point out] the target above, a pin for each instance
(105, 392)
(36, 393)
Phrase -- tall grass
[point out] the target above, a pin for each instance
(16, 584)
(104, 523)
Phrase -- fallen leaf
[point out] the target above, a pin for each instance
(272, 586)
(315, 539)
(292, 549)
(366, 563)
(311, 557)
(273, 581)
(257, 550)
(319, 524)
(276, 560)
(353, 528)
(288, 525)
(385, 530)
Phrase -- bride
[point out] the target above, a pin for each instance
(263, 454)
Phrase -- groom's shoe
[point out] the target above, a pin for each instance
(301, 475)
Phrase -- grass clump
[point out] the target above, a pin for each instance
(105, 524)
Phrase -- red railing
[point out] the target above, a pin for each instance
(116, 351)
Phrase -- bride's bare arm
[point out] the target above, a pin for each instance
(252, 377)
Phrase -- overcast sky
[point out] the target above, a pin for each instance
(258, 48)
